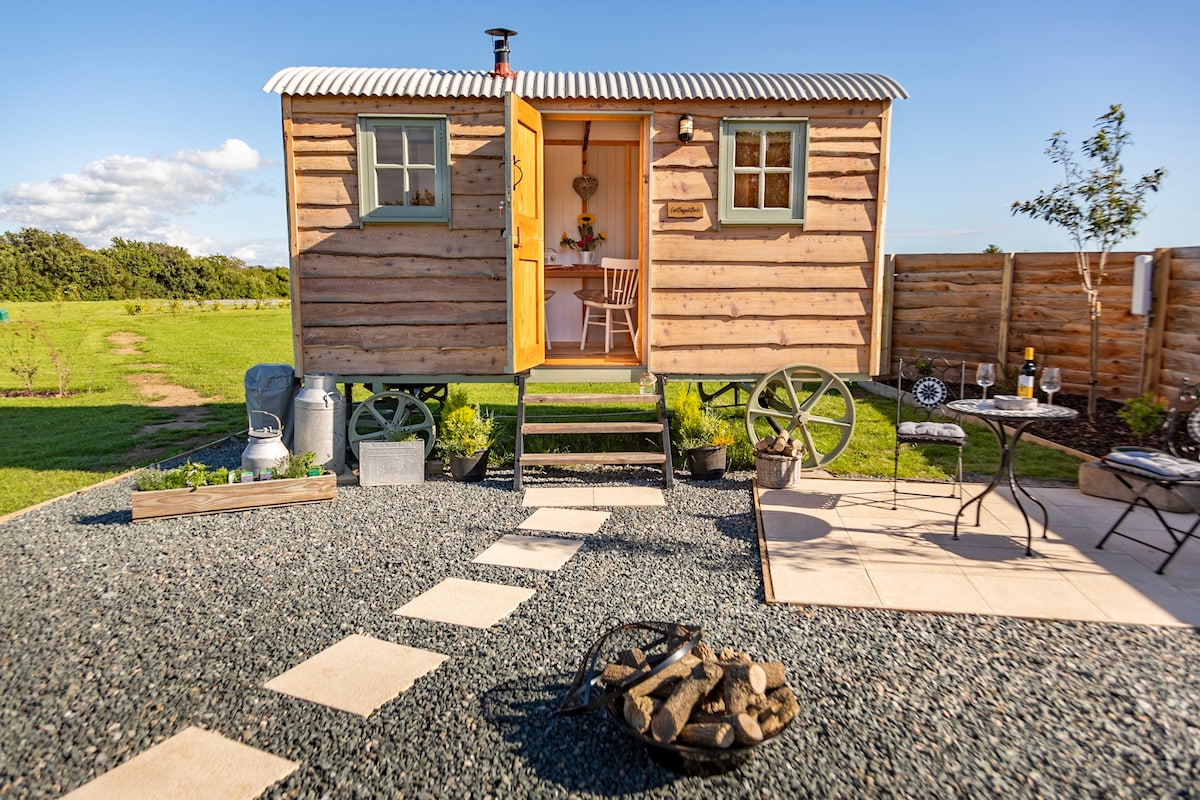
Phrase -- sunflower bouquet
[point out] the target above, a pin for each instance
(588, 238)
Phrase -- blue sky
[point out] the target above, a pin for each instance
(148, 120)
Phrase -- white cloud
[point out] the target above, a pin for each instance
(134, 197)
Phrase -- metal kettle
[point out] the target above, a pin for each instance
(265, 447)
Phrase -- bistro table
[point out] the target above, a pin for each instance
(1019, 419)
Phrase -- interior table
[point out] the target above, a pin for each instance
(564, 311)
(1019, 419)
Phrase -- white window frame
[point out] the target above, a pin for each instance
(796, 213)
(369, 208)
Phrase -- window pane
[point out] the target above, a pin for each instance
(420, 145)
(745, 191)
(778, 190)
(779, 149)
(746, 148)
(391, 187)
(389, 146)
(421, 188)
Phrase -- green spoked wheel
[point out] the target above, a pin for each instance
(809, 402)
(388, 416)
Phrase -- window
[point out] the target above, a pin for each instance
(403, 169)
(763, 170)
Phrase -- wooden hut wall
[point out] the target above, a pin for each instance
(748, 299)
(397, 299)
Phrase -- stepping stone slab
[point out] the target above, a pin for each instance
(529, 552)
(196, 764)
(474, 604)
(358, 674)
(605, 496)
(565, 520)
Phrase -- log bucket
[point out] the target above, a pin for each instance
(777, 472)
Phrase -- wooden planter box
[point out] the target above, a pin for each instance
(232, 497)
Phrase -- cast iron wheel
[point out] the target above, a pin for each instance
(811, 403)
(387, 415)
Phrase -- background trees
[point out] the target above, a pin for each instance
(39, 266)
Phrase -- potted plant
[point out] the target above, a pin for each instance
(194, 488)
(466, 435)
(702, 435)
(588, 239)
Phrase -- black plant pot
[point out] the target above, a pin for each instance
(706, 463)
(469, 468)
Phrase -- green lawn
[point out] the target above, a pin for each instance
(51, 445)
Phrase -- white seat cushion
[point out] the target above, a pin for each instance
(933, 430)
(1153, 464)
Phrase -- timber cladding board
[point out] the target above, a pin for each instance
(387, 337)
(674, 275)
(401, 290)
(434, 313)
(702, 332)
(474, 360)
(735, 303)
(756, 361)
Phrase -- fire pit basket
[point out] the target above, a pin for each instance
(664, 644)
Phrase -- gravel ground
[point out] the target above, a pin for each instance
(115, 636)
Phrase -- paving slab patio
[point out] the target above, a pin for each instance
(194, 763)
(472, 604)
(603, 496)
(529, 552)
(844, 542)
(565, 520)
(358, 674)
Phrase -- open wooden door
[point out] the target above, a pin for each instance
(526, 201)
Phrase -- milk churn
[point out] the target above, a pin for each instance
(265, 446)
(320, 412)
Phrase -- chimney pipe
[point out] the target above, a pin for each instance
(500, 47)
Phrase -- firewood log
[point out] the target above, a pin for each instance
(703, 652)
(778, 711)
(616, 673)
(633, 657)
(638, 712)
(674, 714)
(679, 669)
(742, 683)
(776, 674)
(729, 654)
(708, 734)
(746, 729)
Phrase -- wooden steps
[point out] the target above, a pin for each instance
(647, 402)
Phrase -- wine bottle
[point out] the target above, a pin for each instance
(1028, 372)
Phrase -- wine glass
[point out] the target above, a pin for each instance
(1051, 383)
(985, 376)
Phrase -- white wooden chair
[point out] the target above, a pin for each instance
(619, 294)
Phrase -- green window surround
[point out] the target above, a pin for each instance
(763, 171)
(403, 169)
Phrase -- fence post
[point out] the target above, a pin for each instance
(888, 307)
(1157, 323)
(1006, 298)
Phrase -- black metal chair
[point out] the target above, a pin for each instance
(1176, 472)
(923, 387)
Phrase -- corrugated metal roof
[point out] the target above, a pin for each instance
(391, 82)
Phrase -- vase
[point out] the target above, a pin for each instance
(587, 257)
(706, 463)
(469, 468)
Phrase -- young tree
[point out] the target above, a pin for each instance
(1097, 207)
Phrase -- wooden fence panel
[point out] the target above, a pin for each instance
(990, 306)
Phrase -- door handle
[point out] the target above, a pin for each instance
(517, 238)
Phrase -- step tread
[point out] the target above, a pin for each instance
(591, 398)
(592, 427)
(534, 459)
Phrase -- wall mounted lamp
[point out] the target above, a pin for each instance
(686, 128)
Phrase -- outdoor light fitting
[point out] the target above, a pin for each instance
(686, 128)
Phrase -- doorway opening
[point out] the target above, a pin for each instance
(594, 167)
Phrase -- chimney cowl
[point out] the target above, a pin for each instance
(501, 69)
